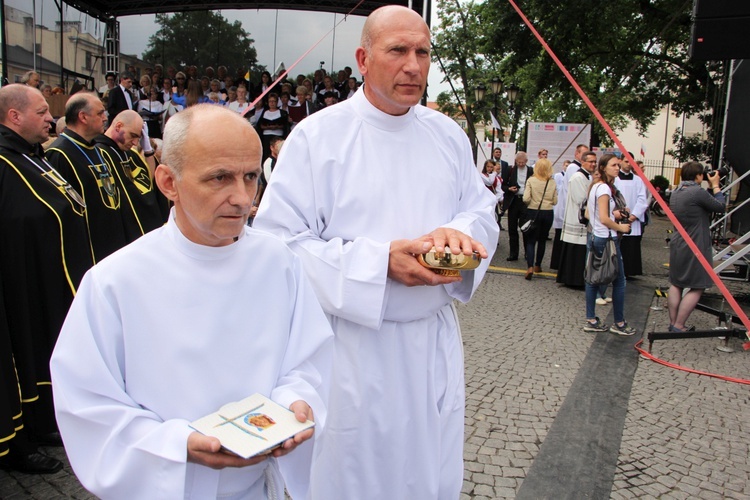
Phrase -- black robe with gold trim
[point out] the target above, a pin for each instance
(149, 207)
(84, 167)
(44, 253)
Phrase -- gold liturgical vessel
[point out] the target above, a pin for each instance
(447, 264)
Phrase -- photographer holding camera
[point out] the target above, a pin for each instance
(693, 207)
(607, 222)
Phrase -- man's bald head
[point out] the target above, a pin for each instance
(84, 114)
(381, 18)
(128, 117)
(125, 129)
(179, 132)
(24, 110)
(394, 59)
(60, 125)
(210, 169)
(13, 96)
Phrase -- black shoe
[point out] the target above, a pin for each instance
(512, 258)
(33, 463)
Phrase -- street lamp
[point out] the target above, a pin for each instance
(513, 92)
(496, 84)
(479, 92)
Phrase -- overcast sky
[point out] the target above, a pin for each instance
(295, 33)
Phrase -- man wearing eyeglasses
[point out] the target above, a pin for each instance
(574, 234)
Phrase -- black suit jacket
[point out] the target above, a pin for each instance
(116, 102)
(510, 179)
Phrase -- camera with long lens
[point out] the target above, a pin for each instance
(722, 170)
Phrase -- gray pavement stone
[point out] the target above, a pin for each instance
(480, 479)
(505, 493)
(505, 482)
(474, 467)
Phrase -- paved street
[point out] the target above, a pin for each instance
(680, 435)
(553, 412)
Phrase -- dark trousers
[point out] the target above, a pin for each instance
(538, 237)
(516, 212)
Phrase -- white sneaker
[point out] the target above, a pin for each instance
(601, 301)
(608, 299)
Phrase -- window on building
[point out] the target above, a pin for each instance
(90, 61)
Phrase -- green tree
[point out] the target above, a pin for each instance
(690, 147)
(201, 38)
(629, 56)
(456, 47)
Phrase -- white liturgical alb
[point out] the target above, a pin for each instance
(165, 331)
(349, 180)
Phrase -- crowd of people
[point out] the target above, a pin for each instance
(63, 209)
(158, 94)
(135, 297)
(136, 342)
(589, 202)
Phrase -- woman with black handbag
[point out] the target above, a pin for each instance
(540, 192)
(604, 248)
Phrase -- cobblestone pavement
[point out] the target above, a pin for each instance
(683, 433)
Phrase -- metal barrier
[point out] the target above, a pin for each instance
(722, 332)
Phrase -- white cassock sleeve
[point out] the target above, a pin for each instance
(120, 449)
(489, 180)
(636, 197)
(641, 204)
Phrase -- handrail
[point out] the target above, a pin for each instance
(739, 254)
(729, 186)
(719, 221)
(731, 260)
(728, 248)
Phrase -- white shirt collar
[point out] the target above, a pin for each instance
(378, 118)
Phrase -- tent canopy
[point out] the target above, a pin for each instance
(104, 9)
